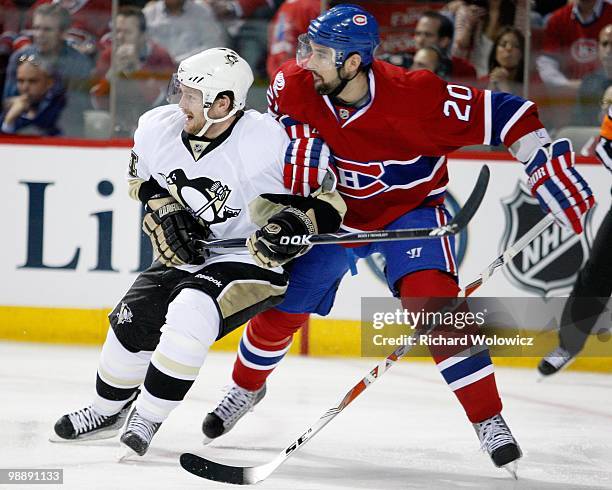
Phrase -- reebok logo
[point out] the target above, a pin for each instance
(216, 282)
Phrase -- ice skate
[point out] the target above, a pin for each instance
(138, 434)
(87, 424)
(496, 438)
(555, 361)
(235, 404)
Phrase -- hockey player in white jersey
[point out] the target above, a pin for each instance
(204, 168)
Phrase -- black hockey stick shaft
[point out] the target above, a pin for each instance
(246, 475)
(458, 223)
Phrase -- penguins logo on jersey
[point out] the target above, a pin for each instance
(205, 197)
(549, 263)
(124, 315)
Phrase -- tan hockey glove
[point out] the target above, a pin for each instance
(172, 231)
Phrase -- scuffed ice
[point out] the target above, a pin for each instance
(406, 431)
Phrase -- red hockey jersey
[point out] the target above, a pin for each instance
(391, 154)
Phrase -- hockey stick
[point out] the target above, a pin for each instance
(247, 475)
(508, 255)
(458, 223)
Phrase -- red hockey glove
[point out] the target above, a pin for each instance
(307, 162)
(308, 159)
(558, 186)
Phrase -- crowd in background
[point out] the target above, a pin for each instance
(64, 63)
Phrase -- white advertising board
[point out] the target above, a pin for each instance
(71, 235)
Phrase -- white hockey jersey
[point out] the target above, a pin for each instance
(218, 186)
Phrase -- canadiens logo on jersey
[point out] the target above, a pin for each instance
(552, 260)
(584, 50)
(205, 197)
(362, 180)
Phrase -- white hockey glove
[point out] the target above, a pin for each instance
(265, 246)
(172, 231)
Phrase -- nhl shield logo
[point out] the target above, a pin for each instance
(553, 259)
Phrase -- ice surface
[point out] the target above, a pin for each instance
(406, 431)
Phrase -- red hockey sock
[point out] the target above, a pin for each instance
(469, 375)
(264, 343)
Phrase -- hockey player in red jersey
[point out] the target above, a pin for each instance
(390, 131)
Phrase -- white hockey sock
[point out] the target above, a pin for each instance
(121, 369)
(192, 325)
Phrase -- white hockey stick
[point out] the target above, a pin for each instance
(247, 475)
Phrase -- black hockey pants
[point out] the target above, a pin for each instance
(590, 293)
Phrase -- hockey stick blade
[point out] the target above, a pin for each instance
(247, 475)
(236, 475)
(458, 223)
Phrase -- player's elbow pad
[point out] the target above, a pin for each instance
(144, 190)
(527, 145)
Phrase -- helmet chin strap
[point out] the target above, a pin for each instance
(343, 82)
(210, 121)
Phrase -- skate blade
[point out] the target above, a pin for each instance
(512, 468)
(125, 453)
(542, 377)
(207, 440)
(91, 437)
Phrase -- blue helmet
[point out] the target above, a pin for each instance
(347, 29)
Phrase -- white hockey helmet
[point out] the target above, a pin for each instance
(214, 71)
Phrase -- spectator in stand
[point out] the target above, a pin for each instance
(435, 29)
(477, 25)
(183, 27)
(90, 21)
(431, 58)
(606, 102)
(241, 9)
(247, 24)
(594, 85)
(50, 23)
(570, 42)
(290, 20)
(142, 70)
(37, 104)
(506, 68)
